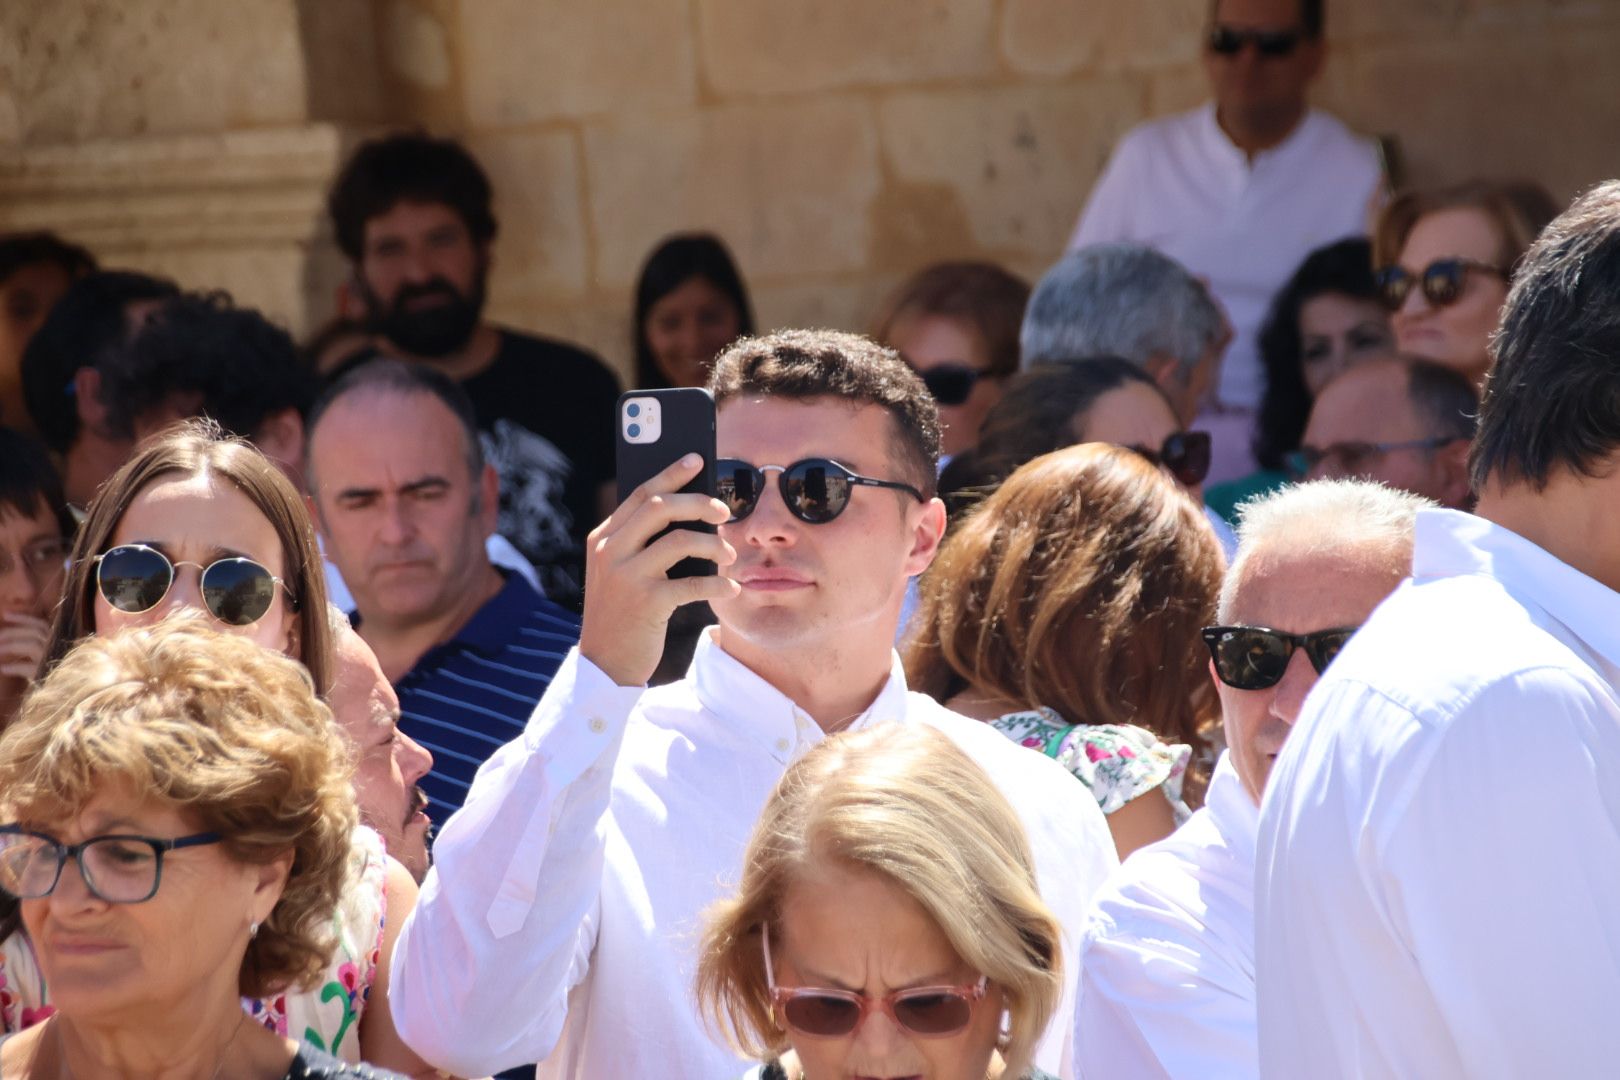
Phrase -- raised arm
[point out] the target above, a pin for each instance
(506, 921)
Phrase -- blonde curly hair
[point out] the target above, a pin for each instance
(231, 734)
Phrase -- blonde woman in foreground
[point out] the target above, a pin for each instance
(887, 923)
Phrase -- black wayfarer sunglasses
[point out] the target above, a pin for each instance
(1255, 657)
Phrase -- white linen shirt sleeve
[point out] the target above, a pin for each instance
(1161, 1007)
(506, 920)
(1520, 941)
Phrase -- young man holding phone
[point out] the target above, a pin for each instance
(561, 921)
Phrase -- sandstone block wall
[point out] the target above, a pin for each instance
(835, 144)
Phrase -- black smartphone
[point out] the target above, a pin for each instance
(656, 428)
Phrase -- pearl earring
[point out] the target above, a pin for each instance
(253, 930)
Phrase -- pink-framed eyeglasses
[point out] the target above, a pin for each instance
(927, 1011)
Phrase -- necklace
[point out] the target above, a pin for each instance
(224, 1053)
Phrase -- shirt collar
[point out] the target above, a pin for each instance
(1223, 147)
(1234, 813)
(1451, 543)
(745, 702)
(491, 628)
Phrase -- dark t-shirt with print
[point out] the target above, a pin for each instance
(545, 410)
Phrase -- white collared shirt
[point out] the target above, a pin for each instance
(562, 917)
(1181, 186)
(1438, 858)
(1167, 957)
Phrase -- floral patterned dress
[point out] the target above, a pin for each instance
(1116, 762)
(327, 1018)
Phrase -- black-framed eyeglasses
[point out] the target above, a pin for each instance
(1442, 281)
(134, 578)
(816, 490)
(1352, 458)
(1255, 657)
(951, 384)
(1185, 453)
(117, 868)
(1274, 44)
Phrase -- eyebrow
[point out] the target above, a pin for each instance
(215, 553)
(410, 487)
(823, 979)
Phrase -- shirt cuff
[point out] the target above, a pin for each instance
(583, 702)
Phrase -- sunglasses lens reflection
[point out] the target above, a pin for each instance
(133, 579)
(238, 591)
(816, 491)
(1251, 659)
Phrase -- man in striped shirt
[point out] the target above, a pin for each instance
(404, 499)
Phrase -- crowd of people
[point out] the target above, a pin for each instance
(1204, 662)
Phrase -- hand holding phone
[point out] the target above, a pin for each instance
(664, 521)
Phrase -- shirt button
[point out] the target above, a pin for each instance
(782, 745)
(598, 725)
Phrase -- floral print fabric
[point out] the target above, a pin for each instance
(1116, 762)
(327, 1018)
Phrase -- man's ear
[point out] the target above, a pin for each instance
(489, 497)
(87, 400)
(927, 534)
(281, 438)
(1451, 463)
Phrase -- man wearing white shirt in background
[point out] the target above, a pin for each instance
(1167, 958)
(1438, 886)
(1242, 188)
(561, 919)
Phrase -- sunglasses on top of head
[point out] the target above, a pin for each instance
(1441, 281)
(816, 490)
(1274, 44)
(927, 1011)
(237, 591)
(1184, 453)
(1256, 657)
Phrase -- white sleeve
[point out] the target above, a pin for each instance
(1107, 217)
(507, 917)
(1162, 1008)
(1502, 873)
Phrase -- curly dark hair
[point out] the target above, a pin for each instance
(1344, 268)
(808, 364)
(408, 166)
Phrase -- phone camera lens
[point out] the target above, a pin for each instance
(633, 410)
(635, 429)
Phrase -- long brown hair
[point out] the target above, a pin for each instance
(191, 449)
(1080, 585)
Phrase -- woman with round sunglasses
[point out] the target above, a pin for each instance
(175, 814)
(956, 324)
(1445, 259)
(1065, 612)
(197, 522)
(887, 922)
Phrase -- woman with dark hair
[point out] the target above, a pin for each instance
(690, 304)
(1327, 318)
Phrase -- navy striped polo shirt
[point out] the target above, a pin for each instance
(473, 694)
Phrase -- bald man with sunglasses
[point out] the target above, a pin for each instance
(561, 920)
(1168, 953)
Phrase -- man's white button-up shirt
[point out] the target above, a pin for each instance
(561, 920)
(1438, 857)
(1167, 957)
(1181, 186)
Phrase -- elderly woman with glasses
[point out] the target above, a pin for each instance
(200, 523)
(887, 922)
(175, 815)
